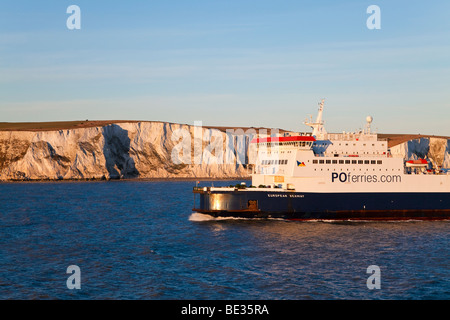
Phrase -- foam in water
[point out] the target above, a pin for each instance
(195, 216)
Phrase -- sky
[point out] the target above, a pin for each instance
(229, 63)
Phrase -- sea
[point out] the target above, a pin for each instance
(140, 240)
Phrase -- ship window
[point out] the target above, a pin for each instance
(373, 162)
(366, 161)
(328, 161)
(360, 162)
(321, 161)
(315, 161)
(341, 161)
(334, 161)
(353, 161)
(347, 161)
(379, 162)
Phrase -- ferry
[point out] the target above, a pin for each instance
(331, 176)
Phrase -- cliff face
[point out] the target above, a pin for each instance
(436, 149)
(123, 150)
(150, 150)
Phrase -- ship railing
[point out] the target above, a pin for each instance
(336, 155)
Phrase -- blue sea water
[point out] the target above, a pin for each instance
(140, 240)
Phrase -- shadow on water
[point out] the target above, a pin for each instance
(117, 153)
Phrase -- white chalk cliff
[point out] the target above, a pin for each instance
(435, 149)
(149, 150)
(122, 150)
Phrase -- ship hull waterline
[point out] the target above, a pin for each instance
(325, 206)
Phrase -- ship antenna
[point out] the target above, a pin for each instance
(319, 114)
(369, 120)
(317, 126)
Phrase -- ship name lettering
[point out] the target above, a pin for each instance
(272, 195)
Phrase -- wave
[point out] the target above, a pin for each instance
(198, 217)
(195, 216)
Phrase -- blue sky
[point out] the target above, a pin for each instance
(231, 63)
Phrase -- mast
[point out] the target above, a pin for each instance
(317, 126)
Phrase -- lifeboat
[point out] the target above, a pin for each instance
(421, 163)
